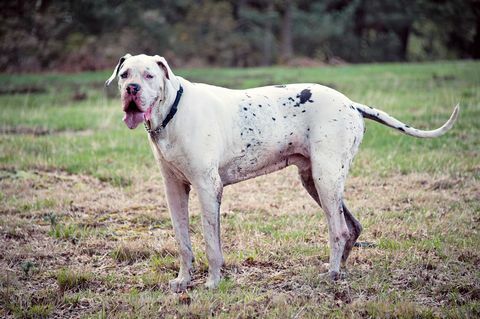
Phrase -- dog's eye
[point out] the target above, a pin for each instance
(149, 76)
(124, 75)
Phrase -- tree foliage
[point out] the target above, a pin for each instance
(90, 34)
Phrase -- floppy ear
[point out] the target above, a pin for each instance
(162, 63)
(117, 68)
(170, 78)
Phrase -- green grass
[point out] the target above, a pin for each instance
(69, 232)
(112, 252)
(88, 136)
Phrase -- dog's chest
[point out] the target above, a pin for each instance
(169, 156)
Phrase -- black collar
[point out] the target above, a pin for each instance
(169, 116)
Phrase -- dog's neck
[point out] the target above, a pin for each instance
(167, 107)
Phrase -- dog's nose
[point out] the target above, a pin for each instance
(133, 88)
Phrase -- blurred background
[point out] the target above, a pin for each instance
(79, 35)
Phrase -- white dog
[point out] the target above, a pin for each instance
(209, 137)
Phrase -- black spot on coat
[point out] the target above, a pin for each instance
(372, 117)
(304, 96)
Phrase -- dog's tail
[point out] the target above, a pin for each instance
(385, 119)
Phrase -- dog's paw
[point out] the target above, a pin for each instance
(337, 275)
(212, 282)
(179, 284)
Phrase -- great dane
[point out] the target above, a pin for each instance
(208, 137)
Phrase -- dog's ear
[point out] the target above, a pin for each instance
(162, 63)
(117, 68)
(170, 78)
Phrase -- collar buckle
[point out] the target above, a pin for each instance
(152, 132)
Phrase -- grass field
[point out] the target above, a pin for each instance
(85, 231)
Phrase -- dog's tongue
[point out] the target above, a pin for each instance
(132, 119)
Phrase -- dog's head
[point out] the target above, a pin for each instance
(146, 83)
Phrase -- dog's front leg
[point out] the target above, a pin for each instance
(177, 198)
(210, 194)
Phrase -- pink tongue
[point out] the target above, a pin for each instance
(132, 119)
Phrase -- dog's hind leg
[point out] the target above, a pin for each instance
(355, 229)
(308, 183)
(354, 226)
(330, 188)
(330, 161)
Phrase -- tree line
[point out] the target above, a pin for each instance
(78, 35)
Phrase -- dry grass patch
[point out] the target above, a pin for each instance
(275, 244)
(406, 310)
(132, 251)
(69, 279)
(15, 228)
(27, 304)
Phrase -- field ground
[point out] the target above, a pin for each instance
(85, 231)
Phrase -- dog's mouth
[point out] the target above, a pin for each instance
(133, 115)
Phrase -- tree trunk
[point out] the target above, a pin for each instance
(403, 35)
(476, 43)
(286, 46)
(268, 37)
(475, 48)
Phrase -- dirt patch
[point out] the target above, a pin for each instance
(79, 96)
(305, 62)
(39, 131)
(443, 78)
(25, 130)
(29, 89)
